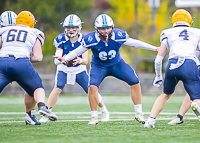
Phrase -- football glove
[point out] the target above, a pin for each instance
(158, 81)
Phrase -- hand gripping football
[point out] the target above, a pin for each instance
(70, 63)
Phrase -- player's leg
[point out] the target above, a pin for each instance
(191, 84)
(30, 104)
(156, 109)
(82, 80)
(29, 79)
(124, 72)
(97, 74)
(169, 86)
(185, 106)
(60, 81)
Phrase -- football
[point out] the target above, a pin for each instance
(70, 63)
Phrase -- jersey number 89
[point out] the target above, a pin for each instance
(110, 55)
(15, 35)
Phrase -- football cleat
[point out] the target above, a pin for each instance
(44, 111)
(148, 125)
(196, 109)
(140, 118)
(105, 116)
(31, 119)
(44, 119)
(176, 120)
(93, 121)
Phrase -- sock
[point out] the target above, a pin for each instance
(152, 120)
(180, 116)
(103, 109)
(40, 104)
(138, 108)
(94, 114)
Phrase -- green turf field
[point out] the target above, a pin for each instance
(74, 113)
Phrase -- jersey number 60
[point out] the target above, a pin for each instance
(15, 35)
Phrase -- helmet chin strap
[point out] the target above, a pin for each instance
(72, 35)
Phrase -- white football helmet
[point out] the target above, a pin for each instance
(103, 21)
(8, 18)
(72, 20)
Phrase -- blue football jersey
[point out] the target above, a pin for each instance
(63, 42)
(106, 53)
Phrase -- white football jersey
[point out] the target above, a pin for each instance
(182, 41)
(19, 40)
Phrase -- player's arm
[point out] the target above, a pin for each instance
(58, 53)
(139, 44)
(73, 54)
(83, 60)
(158, 65)
(37, 55)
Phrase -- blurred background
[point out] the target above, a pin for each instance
(142, 19)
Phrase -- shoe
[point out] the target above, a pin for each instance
(196, 109)
(148, 125)
(140, 118)
(44, 111)
(176, 120)
(44, 119)
(93, 121)
(105, 116)
(31, 119)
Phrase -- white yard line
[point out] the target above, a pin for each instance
(75, 113)
(121, 118)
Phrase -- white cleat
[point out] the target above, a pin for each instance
(93, 121)
(44, 119)
(31, 119)
(105, 116)
(140, 118)
(196, 109)
(43, 111)
(148, 125)
(176, 120)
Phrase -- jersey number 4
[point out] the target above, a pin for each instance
(184, 34)
(15, 35)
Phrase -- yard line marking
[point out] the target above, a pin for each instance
(76, 113)
(161, 118)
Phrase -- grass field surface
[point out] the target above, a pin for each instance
(74, 113)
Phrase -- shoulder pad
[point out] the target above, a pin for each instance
(90, 38)
(120, 34)
(40, 36)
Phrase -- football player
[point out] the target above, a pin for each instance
(182, 40)
(65, 43)
(8, 18)
(21, 45)
(105, 43)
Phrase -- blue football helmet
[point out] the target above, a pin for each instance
(8, 18)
